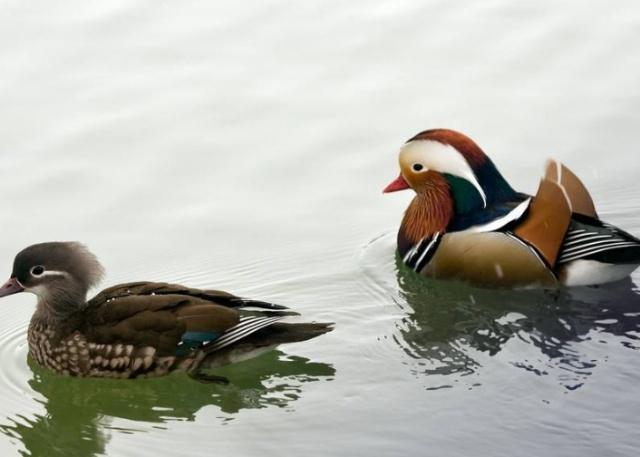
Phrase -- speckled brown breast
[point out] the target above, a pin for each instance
(75, 356)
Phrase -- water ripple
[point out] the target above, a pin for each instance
(37, 402)
(452, 331)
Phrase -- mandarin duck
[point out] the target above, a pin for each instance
(467, 223)
(138, 329)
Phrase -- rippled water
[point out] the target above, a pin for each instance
(244, 146)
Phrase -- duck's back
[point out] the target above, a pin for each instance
(142, 329)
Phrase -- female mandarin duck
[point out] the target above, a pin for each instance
(467, 223)
(138, 329)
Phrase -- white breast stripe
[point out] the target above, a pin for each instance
(428, 249)
(416, 250)
(411, 253)
(421, 253)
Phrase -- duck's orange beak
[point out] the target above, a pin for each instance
(397, 184)
(12, 286)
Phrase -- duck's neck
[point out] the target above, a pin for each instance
(59, 306)
(429, 213)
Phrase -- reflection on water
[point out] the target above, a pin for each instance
(244, 145)
(450, 327)
(79, 411)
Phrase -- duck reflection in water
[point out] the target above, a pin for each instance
(450, 327)
(80, 412)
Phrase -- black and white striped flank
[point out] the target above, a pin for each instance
(585, 242)
(419, 255)
(244, 328)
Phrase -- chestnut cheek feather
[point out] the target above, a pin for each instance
(430, 211)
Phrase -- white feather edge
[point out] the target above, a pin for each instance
(497, 224)
(244, 328)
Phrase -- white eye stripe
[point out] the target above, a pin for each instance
(51, 273)
(442, 158)
(54, 273)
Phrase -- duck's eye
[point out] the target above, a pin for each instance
(38, 270)
(417, 167)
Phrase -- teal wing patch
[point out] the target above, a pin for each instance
(195, 340)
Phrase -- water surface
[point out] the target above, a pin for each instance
(244, 146)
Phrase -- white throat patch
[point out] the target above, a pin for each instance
(39, 291)
(442, 158)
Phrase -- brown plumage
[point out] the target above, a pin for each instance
(466, 222)
(142, 328)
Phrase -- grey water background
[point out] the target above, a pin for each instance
(244, 146)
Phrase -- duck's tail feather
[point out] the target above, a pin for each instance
(247, 326)
(283, 332)
(266, 331)
(261, 341)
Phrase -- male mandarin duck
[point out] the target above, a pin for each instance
(139, 329)
(467, 223)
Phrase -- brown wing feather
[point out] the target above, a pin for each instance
(198, 317)
(163, 288)
(159, 330)
(158, 321)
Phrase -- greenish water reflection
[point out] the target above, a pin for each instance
(449, 324)
(79, 411)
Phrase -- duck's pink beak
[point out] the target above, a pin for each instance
(398, 184)
(12, 286)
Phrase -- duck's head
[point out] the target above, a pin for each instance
(443, 155)
(58, 273)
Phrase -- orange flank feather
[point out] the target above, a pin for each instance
(548, 221)
(579, 197)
